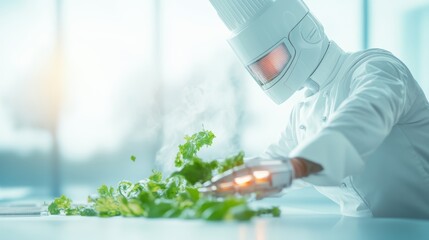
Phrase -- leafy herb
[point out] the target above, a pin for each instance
(59, 205)
(133, 158)
(188, 150)
(231, 162)
(175, 196)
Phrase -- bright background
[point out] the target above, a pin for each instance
(84, 84)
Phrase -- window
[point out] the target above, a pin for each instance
(401, 27)
(89, 83)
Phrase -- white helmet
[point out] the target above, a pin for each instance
(279, 42)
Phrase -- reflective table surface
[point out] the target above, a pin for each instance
(305, 215)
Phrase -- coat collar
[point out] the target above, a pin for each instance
(330, 65)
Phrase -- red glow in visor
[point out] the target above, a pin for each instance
(271, 65)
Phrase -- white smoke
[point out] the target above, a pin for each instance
(208, 100)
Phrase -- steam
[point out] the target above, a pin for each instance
(207, 101)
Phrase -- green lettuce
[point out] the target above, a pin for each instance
(174, 196)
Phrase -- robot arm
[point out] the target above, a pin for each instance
(262, 177)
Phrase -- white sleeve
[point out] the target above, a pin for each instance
(375, 103)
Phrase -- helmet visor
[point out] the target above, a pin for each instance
(271, 65)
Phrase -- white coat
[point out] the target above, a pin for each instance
(368, 126)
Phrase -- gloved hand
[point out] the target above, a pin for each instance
(262, 177)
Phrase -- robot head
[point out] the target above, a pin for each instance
(278, 41)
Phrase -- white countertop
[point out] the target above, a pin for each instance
(305, 215)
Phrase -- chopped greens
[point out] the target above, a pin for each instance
(63, 205)
(231, 162)
(188, 151)
(60, 205)
(175, 196)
